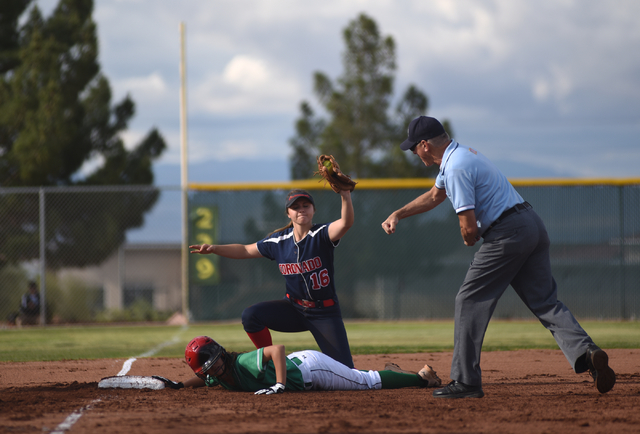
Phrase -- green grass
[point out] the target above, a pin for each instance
(95, 342)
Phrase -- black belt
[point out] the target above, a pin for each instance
(507, 213)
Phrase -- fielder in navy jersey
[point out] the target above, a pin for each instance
(304, 253)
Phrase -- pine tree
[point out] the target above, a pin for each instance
(55, 115)
(360, 133)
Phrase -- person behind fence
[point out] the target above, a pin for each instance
(29, 306)
(267, 371)
(304, 252)
(514, 251)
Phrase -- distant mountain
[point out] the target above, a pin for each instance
(272, 170)
(513, 169)
(277, 170)
(162, 225)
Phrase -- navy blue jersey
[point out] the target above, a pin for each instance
(307, 265)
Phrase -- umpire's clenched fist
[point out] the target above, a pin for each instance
(389, 225)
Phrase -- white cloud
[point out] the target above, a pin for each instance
(90, 166)
(132, 137)
(225, 150)
(251, 146)
(477, 60)
(541, 89)
(246, 85)
(150, 87)
(569, 56)
(246, 73)
(557, 85)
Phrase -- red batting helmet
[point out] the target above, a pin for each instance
(201, 353)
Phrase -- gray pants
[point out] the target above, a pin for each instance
(516, 253)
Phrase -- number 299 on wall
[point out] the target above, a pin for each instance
(203, 229)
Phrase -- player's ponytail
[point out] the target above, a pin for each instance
(289, 225)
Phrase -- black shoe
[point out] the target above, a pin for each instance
(455, 389)
(603, 375)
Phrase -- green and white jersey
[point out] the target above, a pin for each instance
(252, 374)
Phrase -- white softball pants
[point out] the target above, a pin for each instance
(321, 372)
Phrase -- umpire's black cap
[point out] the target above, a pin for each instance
(422, 128)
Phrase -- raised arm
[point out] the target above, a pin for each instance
(419, 205)
(233, 251)
(338, 228)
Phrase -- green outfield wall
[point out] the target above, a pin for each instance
(594, 226)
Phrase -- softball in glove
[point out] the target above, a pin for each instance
(329, 170)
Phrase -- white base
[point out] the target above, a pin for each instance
(131, 382)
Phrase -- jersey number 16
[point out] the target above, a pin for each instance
(320, 279)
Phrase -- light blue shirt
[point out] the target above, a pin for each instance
(473, 182)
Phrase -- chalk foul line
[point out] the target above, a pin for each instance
(73, 418)
(126, 367)
(76, 415)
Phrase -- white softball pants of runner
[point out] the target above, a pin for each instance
(324, 373)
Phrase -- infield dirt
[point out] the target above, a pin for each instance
(529, 391)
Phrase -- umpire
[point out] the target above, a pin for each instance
(514, 251)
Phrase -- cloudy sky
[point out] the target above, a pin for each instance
(544, 88)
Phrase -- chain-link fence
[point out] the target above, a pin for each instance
(114, 254)
(106, 253)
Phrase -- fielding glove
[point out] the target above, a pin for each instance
(329, 170)
(169, 383)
